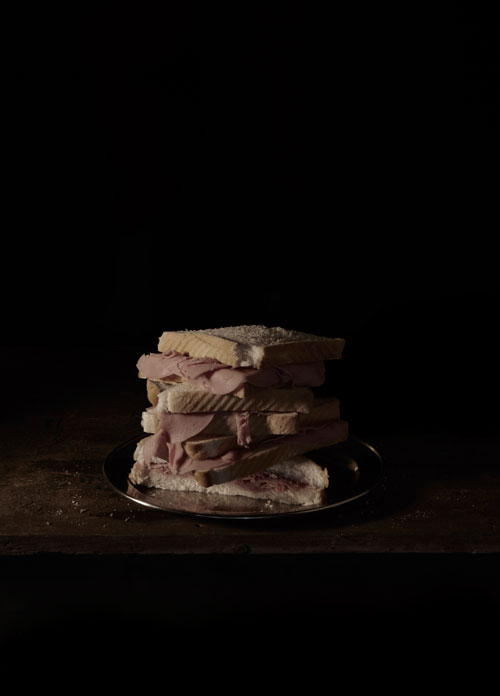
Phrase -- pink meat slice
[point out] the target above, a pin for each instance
(218, 378)
(179, 462)
(269, 482)
(179, 427)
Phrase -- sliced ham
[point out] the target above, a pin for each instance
(243, 428)
(269, 482)
(173, 454)
(218, 378)
(181, 426)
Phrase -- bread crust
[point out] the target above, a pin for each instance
(199, 447)
(152, 391)
(187, 399)
(302, 351)
(197, 344)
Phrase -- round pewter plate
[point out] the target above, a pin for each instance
(355, 471)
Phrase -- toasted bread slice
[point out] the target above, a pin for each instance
(204, 447)
(252, 345)
(186, 398)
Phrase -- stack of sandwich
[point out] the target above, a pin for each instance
(234, 412)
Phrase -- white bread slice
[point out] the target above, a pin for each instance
(252, 345)
(282, 419)
(204, 447)
(187, 398)
(300, 470)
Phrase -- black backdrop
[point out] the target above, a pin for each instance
(328, 170)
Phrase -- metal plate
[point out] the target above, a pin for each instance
(355, 471)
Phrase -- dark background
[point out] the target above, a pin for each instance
(326, 169)
(332, 170)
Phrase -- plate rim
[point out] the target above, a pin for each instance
(241, 515)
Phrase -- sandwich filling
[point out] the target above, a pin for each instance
(269, 482)
(178, 427)
(215, 377)
(160, 450)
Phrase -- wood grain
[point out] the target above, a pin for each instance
(442, 493)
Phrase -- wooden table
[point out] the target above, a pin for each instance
(71, 546)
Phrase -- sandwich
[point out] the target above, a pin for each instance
(235, 411)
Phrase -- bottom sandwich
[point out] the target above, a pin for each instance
(296, 481)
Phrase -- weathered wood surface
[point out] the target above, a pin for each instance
(67, 411)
